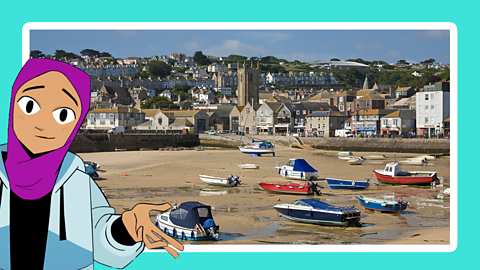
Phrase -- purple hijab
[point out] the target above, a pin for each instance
(33, 178)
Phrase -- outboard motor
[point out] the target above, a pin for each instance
(236, 181)
(230, 180)
(314, 187)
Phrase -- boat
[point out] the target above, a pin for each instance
(419, 162)
(200, 149)
(189, 221)
(248, 166)
(393, 174)
(291, 188)
(91, 172)
(347, 184)
(263, 148)
(120, 149)
(349, 157)
(355, 161)
(230, 181)
(92, 164)
(375, 157)
(318, 212)
(447, 191)
(298, 168)
(146, 149)
(382, 205)
(427, 157)
(345, 153)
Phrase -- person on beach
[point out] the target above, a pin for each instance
(52, 214)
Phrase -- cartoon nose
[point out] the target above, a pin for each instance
(41, 129)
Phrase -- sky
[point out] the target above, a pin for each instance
(390, 46)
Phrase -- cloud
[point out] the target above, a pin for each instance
(431, 34)
(233, 46)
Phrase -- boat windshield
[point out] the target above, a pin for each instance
(291, 163)
(203, 212)
(301, 203)
(179, 213)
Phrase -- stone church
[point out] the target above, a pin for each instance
(248, 84)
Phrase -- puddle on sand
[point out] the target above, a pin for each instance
(254, 233)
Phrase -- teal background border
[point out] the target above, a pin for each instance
(16, 13)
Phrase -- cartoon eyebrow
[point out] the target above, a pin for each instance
(33, 87)
(66, 92)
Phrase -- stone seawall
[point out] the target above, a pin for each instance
(108, 142)
(434, 146)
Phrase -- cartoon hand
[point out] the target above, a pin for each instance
(140, 227)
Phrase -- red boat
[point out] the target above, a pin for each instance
(393, 174)
(290, 188)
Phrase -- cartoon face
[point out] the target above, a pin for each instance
(45, 112)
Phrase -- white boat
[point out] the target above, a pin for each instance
(190, 221)
(419, 162)
(248, 166)
(221, 181)
(375, 157)
(298, 168)
(345, 153)
(427, 157)
(447, 191)
(355, 161)
(258, 149)
(200, 149)
(349, 157)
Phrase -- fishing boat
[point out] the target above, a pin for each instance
(375, 157)
(291, 188)
(393, 174)
(248, 166)
(189, 221)
(317, 212)
(264, 147)
(355, 161)
(230, 181)
(382, 205)
(347, 184)
(298, 168)
(345, 153)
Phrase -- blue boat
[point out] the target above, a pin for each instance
(318, 212)
(347, 184)
(91, 171)
(382, 205)
(298, 168)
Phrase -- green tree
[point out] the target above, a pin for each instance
(186, 105)
(158, 68)
(181, 87)
(445, 75)
(402, 62)
(59, 54)
(334, 59)
(89, 52)
(200, 58)
(159, 103)
(36, 54)
(105, 54)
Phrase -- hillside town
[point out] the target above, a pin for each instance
(243, 98)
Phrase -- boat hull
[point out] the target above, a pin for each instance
(297, 175)
(181, 232)
(290, 188)
(248, 166)
(405, 180)
(316, 216)
(215, 181)
(256, 150)
(347, 184)
(381, 205)
(355, 161)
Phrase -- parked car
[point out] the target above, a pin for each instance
(116, 130)
(405, 135)
(211, 132)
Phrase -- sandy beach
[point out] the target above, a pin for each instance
(246, 214)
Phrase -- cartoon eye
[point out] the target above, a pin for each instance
(63, 115)
(28, 105)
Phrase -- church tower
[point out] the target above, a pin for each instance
(365, 84)
(247, 84)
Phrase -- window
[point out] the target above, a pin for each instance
(323, 118)
(426, 96)
(304, 112)
(385, 122)
(318, 125)
(92, 115)
(432, 108)
(92, 122)
(310, 126)
(432, 96)
(323, 125)
(111, 115)
(311, 118)
(102, 122)
(298, 112)
(111, 122)
(103, 115)
(319, 118)
(395, 121)
(426, 120)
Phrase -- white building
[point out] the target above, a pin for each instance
(433, 107)
(224, 90)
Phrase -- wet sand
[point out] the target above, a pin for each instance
(246, 214)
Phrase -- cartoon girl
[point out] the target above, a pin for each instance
(52, 214)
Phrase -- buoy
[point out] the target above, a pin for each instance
(278, 199)
(125, 174)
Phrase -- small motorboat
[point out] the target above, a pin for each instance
(248, 166)
(427, 157)
(199, 149)
(375, 157)
(190, 221)
(414, 161)
(146, 149)
(347, 184)
(92, 164)
(447, 191)
(230, 181)
(393, 174)
(291, 188)
(355, 161)
(91, 172)
(349, 157)
(345, 153)
(382, 205)
(318, 212)
(120, 149)
(264, 147)
(298, 168)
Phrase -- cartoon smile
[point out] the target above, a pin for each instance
(43, 137)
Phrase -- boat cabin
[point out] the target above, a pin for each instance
(393, 169)
(189, 214)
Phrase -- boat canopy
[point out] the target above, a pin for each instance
(316, 204)
(301, 165)
(188, 214)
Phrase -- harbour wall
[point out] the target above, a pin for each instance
(83, 143)
(399, 145)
